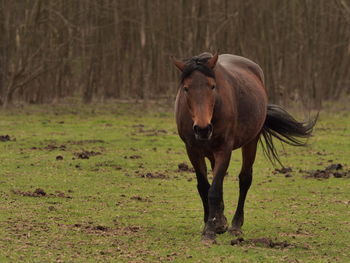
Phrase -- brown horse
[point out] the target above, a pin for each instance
(222, 105)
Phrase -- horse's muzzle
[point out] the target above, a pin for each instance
(203, 133)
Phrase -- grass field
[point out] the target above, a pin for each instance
(102, 184)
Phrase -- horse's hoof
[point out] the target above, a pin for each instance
(208, 237)
(235, 232)
(221, 225)
(208, 240)
(221, 229)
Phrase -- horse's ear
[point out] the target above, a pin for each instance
(212, 62)
(179, 64)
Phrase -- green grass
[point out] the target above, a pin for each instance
(110, 212)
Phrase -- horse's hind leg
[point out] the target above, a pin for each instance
(245, 180)
(198, 162)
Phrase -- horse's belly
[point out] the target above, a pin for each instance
(251, 118)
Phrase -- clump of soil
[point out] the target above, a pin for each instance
(133, 229)
(105, 230)
(264, 242)
(60, 194)
(52, 208)
(284, 170)
(52, 147)
(59, 157)
(91, 227)
(100, 228)
(36, 193)
(109, 164)
(335, 169)
(135, 156)
(155, 175)
(334, 166)
(151, 132)
(183, 167)
(86, 154)
(237, 241)
(139, 198)
(39, 192)
(81, 142)
(6, 138)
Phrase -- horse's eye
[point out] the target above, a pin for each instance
(213, 87)
(185, 89)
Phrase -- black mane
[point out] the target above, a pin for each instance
(198, 63)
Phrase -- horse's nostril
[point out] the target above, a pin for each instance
(203, 132)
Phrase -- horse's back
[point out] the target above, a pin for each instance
(234, 62)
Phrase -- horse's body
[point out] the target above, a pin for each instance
(222, 105)
(240, 108)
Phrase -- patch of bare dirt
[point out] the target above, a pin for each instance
(139, 198)
(150, 132)
(135, 156)
(262, 242)
(36, 193)
(90, 228)
(156, 175)
(283, 170)
(100, 228)
(81, 142)
(86, 154)
(138, 126)
(335, 170)
(6, 138)
(52, 147)
(287, 171)
(39, 192)
(60, 194)
(109, 164)
(298, 233)
(183, 167)
(20, 228)
(322, 153)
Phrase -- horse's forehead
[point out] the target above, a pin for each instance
(198, 78)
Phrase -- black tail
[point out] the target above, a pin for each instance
(281, 125)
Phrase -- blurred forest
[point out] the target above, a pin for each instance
(101, 49)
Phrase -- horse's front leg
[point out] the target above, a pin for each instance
(198, 163)
(217, 222)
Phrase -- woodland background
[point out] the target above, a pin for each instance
(101, 49)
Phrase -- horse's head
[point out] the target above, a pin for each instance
(198, 86)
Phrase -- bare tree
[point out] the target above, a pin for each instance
(119, 49)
